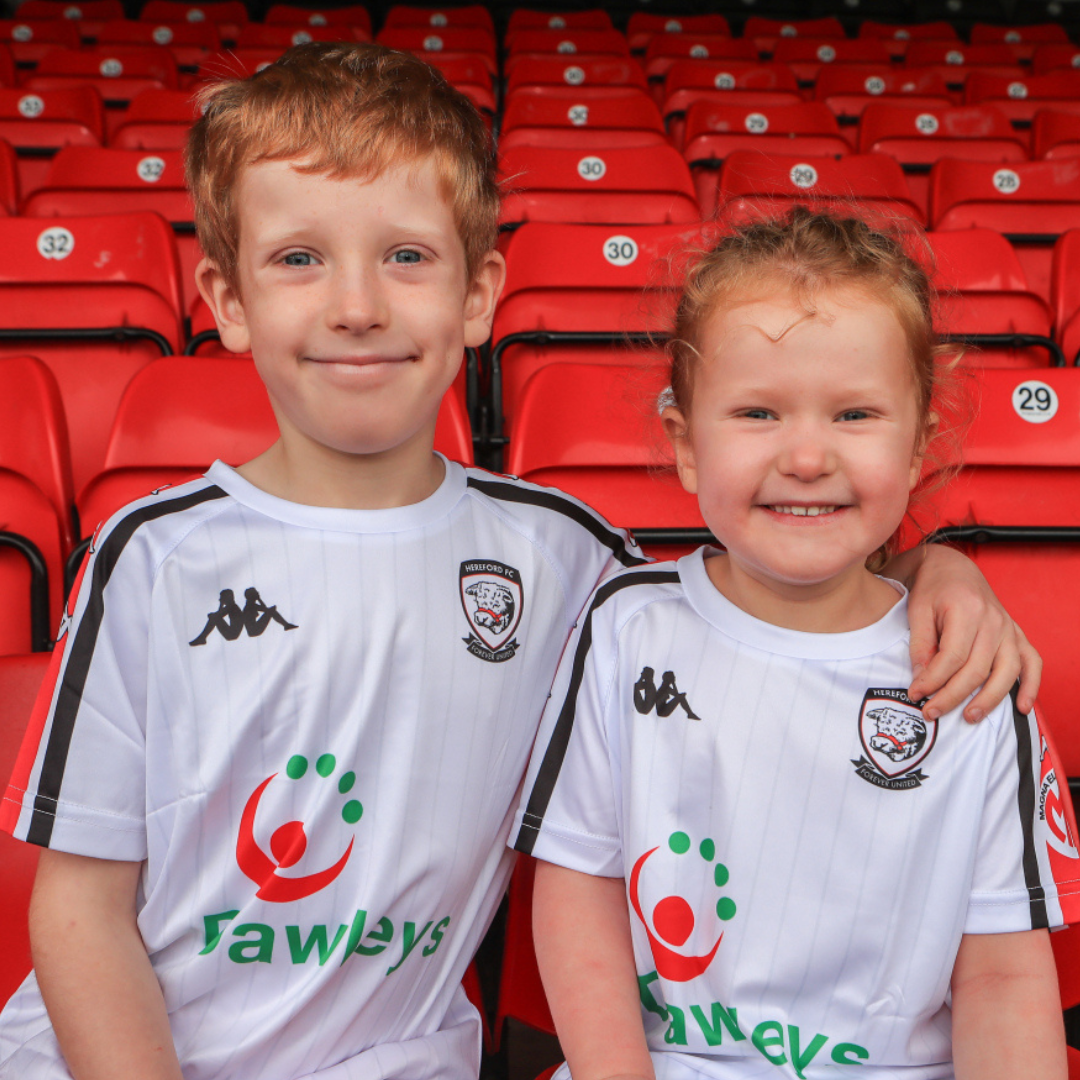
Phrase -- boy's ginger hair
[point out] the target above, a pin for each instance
(345, 110)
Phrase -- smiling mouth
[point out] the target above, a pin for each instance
(804, 511)
(359, 361)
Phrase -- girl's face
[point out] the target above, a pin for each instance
(802, 442)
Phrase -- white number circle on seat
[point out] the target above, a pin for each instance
(803, 176)
(591, 168)
(21, 33)
(926, 123)
(30, 106)
(578, 115)
(826, 54)
(757, 123)
(150, 169)
(566, 47)
(302, 37)
(620, 250)
(724, 81)
(162, 35)
(1035, 401)
(875, 84)
(317, 18)
(55, 243)
(439, 19)
(1006, 181)
(954, 56)
(574, 75)
(196, 15)
(111, 68)
(699, 52)
(1018, 90)
(433, 43)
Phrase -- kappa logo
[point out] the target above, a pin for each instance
(673, 919)
(289, 842)
(231, 620)
(896, 737)
(664, 700)
(492, 599)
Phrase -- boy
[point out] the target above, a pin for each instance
(273, 855)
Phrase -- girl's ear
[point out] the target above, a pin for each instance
(677, 429)
(223, 300)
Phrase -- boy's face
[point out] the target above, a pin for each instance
(353, 299)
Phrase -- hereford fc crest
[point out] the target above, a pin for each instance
(492, 597)
(896, 738)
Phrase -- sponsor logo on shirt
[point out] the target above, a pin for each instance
(1053, 813)
(896, 738)
(231, 620)
(492, 599)
(662, 700)
(672, 919)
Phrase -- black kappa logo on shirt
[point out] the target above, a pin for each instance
(664, 700)
(231, 620)
(492, 599)
(897, 738)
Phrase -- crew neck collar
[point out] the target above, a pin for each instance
(711, 604)
(335, 519)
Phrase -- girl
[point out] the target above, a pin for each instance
(759, 856)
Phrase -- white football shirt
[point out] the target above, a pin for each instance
(802, 850)
(312, 725)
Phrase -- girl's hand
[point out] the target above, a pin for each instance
(961, 637)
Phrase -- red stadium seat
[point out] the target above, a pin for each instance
(616, 186)
(755, 183)
(592, 118)
(234, 64)
(984, 298)
(82, 11)
(36, 500)
(642, 26)
(724, 82)
(470, 15)
(667, 50)
(955, 60)
(20, 680)
(847, 90)
(1054, 57)
(7, 67)
(592, 430)
(918, 137)
(189, 43)
(566, 42)
(31, 39)
(467, 41)
(1030, 202)
(1016, 508)
(1055, 135)
(583, 294)
(1023, 40)
(38, 125)
(575, 71)
(529, 19)
(156, 120)
(281, 36)
(897, 36)
(807, 57)
(118, 73)
(86, 180)
(96, 299)
(765, 33)
(1065, 293)
(714, 131)
(1019, 99)
(354, 15)
(228, 15)
(181, 413)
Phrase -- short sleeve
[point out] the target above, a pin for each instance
(568, 811)
(79, 782)
(1027, 868)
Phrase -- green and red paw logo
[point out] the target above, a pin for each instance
(290, 841)
(672, 919)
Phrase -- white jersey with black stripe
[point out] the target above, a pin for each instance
(311, 725)
(802, 850)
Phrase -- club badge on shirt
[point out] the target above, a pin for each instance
(492, 599)
(896, 739)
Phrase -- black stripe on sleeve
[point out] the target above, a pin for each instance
(552, 500)
(1026, 798)
(73, 680)
(544, 784)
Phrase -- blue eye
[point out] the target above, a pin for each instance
(298, 258)
(757, 414)
(406, 257)
(854, 414)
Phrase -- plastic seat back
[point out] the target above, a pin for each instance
(754, 183)
(20, 679)
(280, 36)
(567, 41)
(1055, 134)
(1020, 99)
(616, 186)
(9, 179)
(467, 41)
(1065, 293)
(847, 90)
(1053, 57)
(471, 15)
(229, 15)
(642, 26)
(730, 82)
(807, 57)
(590, 119)
(293, 14)
(983, 290)
(1031, 202)
(189, 42)
(156, 120)
(765, 32)
(1023, 40)
(533, 19)
(31, 39)
(535, 70)
(117, 72)
(714, 131)
(665, 50)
